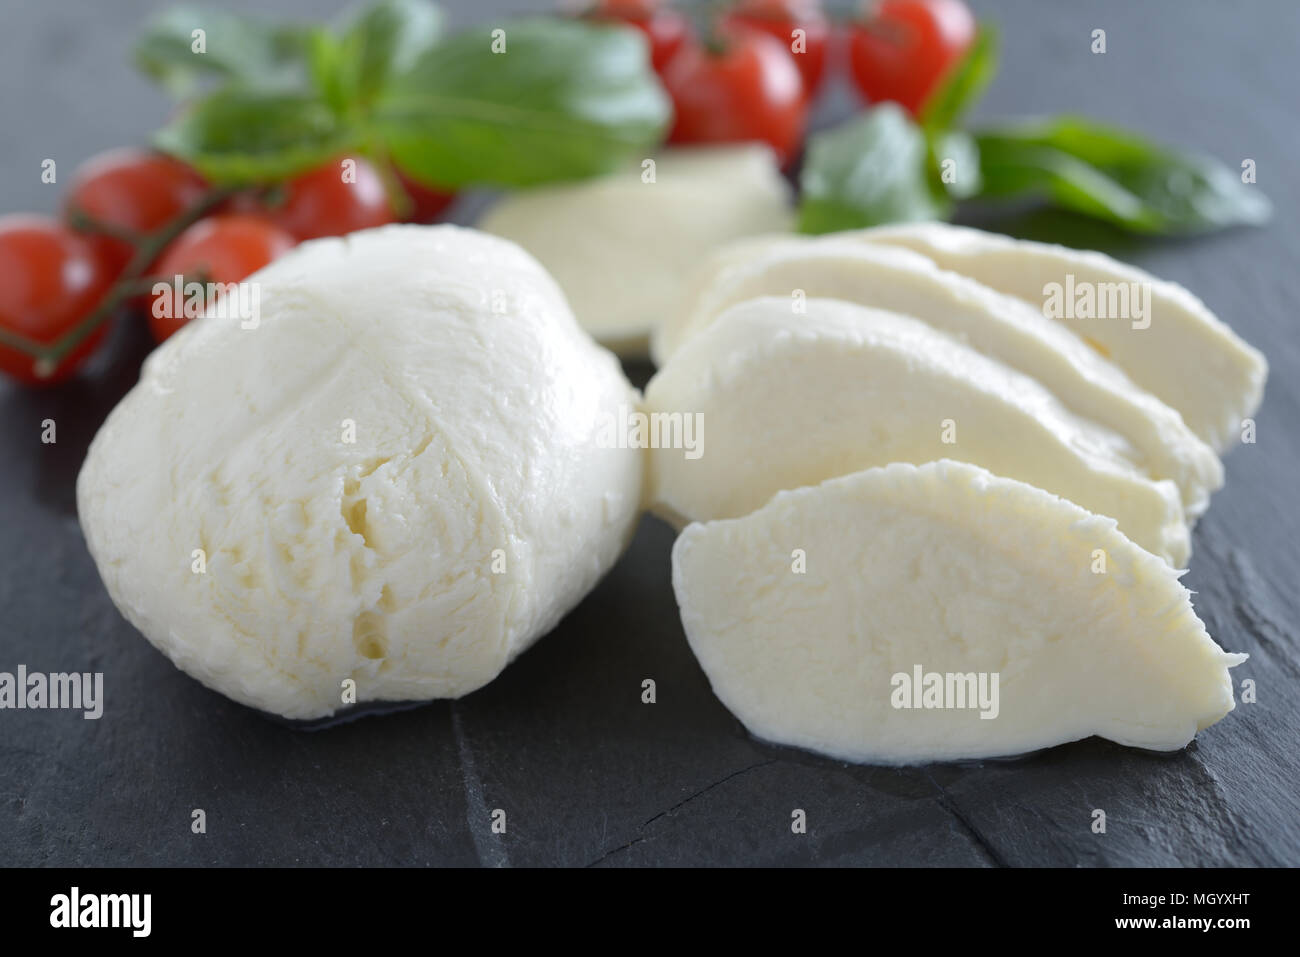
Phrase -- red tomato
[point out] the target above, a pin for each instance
(219, 249)
(781, 18)
(322, 203)
(132, 190)
(904, 49)
(428, 204)
(50, 280)
(666, 28)
(748, 89)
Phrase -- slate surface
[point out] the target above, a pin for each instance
(586, 773)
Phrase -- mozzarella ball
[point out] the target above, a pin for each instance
(391, 482)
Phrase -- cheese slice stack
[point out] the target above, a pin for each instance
(791, 399)
(1001, 326)
(910, 469)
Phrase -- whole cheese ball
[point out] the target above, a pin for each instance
(395, 475)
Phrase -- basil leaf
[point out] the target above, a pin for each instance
(872, 169)
(566, 100)
(233, 47)
(1116, 176)
(384, 39)
(964, 84)
(326, 59)
(238, 136)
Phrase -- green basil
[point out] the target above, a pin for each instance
(234, 47)
(384, 39)
(872, 169)
(565, 99)
(1117, 176)
(544, 99)
(329, 71)
(238, 136)
(965, 84)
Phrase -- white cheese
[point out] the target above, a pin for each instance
(814, 618)
(997, 325)
(1180, 351)
(621, 247)
(397, 478)
(790, 400)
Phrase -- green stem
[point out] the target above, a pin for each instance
(707, 19)
(83, 222)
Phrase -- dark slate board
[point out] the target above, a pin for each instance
(586, 773)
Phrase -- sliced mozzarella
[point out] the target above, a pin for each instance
(620, 246)
(814, 616)
(790, 400)
(997, 325)
(1185, 356)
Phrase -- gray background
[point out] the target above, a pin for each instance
(586, 773)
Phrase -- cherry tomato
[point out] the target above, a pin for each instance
(904, 49)
(745, 87)
(323, 203)
(427, 204)
(134, 191)
(666, 28)
(224, 248)
(781, 18)
(50, 279)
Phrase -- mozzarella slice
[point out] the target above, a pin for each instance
(997, 325)
(620, 247)
(396, 479)
(815, 616)
(790, 400)
(1186, 356)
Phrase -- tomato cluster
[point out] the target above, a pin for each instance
(133, 217)
(753, 73)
